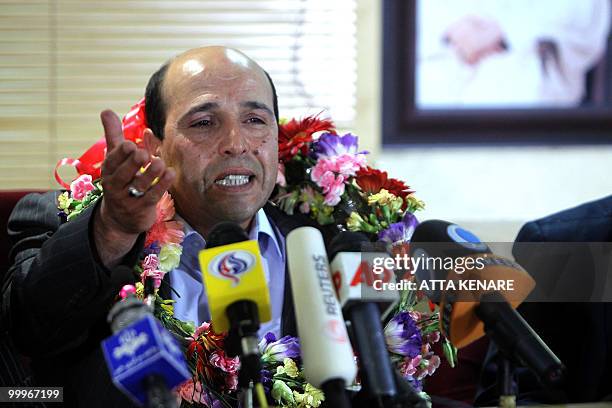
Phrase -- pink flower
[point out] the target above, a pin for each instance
(81, 186)
(428, 366)
(193, 392)
(220, 360)
(150, 262)
(304, 208)
(416, 316)
(332, 185)
(433, 337)
(156, 274)
(348, 164)
(333, 188)
(203, 328)
(333, 197)
(231, 382)
(322, 167)
(165, 208)
(345, 164)
(410, 366)
(165, 232)
(434, 363)
(280, 176)
(229, 365)
(331, 173)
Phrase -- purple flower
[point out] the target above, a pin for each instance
(152, 249)
(266, 380)
(330, 145)
(417, 384)
(63, 216)
(270, 337)
(273, 350)
(402, 335)
(400, 231)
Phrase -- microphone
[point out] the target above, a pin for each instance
(465, 315)
(353, 276)
(326, 350)
(144, 360)
(237, 293)
(436, 239)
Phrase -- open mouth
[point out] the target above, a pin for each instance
(234, 180)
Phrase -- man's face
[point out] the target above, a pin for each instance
(220, 137)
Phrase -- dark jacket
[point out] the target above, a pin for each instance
(578, 332)
(60, 295)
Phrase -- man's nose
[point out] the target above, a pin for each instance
(235, 143)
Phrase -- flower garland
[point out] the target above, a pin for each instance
(323, 175)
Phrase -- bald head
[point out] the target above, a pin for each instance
(215, 62)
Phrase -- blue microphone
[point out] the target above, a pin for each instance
(144, 360)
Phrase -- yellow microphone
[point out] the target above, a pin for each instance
(238, 296)
(232, 272)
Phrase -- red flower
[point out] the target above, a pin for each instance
(294, 135)
(372, 181)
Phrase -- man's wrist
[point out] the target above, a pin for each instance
(111, 243)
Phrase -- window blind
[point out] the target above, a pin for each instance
(63, 61)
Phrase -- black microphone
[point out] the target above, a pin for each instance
(516, 339)
(466, 317)
(345, 251)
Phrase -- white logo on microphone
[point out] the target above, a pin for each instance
(130, 342)
(465, 238)
(232, 265)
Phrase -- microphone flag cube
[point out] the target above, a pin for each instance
(232, 273)
(142, 349)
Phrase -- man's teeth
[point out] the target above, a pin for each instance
(233, 180)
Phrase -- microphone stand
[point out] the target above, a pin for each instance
(517, 342)
(407, 396)
(242, 341)
(377, 375)
(505, 375)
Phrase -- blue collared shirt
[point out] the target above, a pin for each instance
(191, 301)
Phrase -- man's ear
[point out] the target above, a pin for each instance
(152, 143)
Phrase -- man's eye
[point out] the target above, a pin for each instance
(256, 120)
(202, 123)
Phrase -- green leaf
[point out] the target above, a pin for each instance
(282, 393)
(385, 212)
(450, 352)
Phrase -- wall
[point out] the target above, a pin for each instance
(498, 189)
(491, 190)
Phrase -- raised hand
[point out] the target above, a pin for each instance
(123, 216)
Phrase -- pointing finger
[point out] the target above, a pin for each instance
(113, 133)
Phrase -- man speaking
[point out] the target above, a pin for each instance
(212, 143)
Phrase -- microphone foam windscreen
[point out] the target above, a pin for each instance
(225, 233)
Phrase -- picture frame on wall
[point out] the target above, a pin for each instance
(442, 83)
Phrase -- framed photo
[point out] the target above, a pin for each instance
(497, 71)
